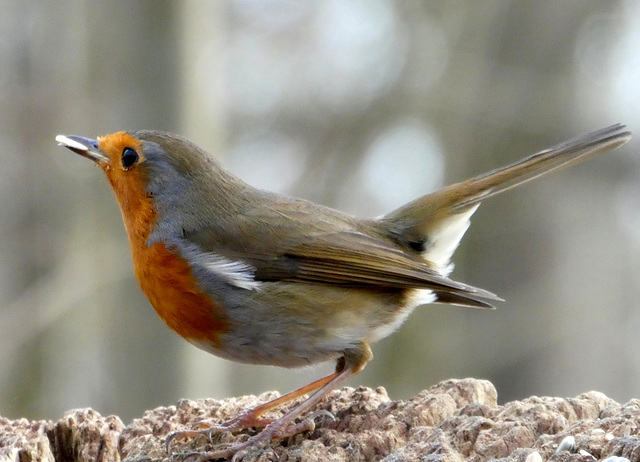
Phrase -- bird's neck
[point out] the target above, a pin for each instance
(138, 212)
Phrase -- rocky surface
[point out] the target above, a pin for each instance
(454, 420)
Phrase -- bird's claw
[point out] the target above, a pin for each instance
(306, 425)
(182, 435)
(323, 413)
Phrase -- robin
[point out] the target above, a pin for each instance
(262, 278)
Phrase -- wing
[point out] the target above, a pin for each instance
(352, 258)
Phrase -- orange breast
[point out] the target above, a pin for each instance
(168, 283)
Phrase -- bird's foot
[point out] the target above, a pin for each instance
(273, 430)
(245, 420)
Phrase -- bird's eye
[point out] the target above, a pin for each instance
(129, 158)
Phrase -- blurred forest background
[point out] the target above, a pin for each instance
(360, 105)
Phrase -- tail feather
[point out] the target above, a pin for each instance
(550, 160)
(425, 224)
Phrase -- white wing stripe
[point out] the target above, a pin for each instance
(235, 272)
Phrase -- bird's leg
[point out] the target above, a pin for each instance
(350, 364)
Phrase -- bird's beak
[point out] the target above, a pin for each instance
(86, 147)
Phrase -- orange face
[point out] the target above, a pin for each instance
(164, 276)
(127, 178)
